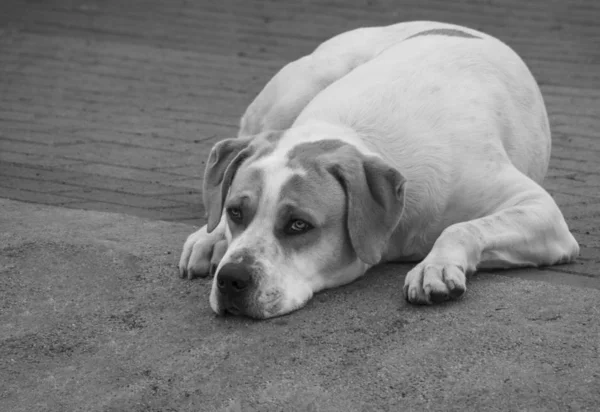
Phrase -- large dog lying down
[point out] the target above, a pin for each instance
(420, 141)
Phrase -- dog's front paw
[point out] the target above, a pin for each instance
(432, 282)
(202, 253)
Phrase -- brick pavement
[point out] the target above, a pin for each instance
(113, 105)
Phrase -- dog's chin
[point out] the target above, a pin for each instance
(255, 311)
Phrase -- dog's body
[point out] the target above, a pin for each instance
(416, 141)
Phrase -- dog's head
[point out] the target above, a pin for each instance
(298, 220)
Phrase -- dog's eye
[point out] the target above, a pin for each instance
(235, 214)
(297, 226)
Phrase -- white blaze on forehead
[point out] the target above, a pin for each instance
(276, 173)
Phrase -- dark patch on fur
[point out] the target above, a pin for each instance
(374, 192)
(306, 153)
(225, 159)
(245, 193)
(445, 32)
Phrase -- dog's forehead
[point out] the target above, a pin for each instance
(295, 175)
(311, 184)
(265, 176)
(313, 192)
(248, 179)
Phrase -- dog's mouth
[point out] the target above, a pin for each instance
(255, 305)
(229, 308)
(238, 306)
(232, 310)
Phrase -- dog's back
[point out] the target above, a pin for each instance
(436, 92)
(297, 83)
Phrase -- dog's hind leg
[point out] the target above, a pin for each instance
(285, 96)
(526, 230)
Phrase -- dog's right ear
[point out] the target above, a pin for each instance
(375, 199)
(225, 158)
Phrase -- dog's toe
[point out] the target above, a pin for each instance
(434, 283)
(456, 291)
(455, 280)
(201, 254)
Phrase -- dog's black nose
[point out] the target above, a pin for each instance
(233, 278)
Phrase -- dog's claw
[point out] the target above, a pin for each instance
(434, 282)
(437, 297)
(457, 291)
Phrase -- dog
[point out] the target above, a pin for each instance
(417, 142)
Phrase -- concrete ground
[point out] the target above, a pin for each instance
(111, 106)
(93, 318)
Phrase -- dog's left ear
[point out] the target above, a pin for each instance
(223, 162)
(375, 200)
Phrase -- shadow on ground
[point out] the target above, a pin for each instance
(93, 317)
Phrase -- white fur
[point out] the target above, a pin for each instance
(461, 118)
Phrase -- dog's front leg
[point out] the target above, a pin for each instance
(528, 231)
(203, 251)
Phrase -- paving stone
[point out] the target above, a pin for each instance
(194, 183)
(122, 172)
(126, 185)
(176, 213)
(34, 184)
(118, 198)
(191, 196)
(36, 172)
(35, 160)
(585, 267)
(564, 200)
(584, 210)
(35, 196)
